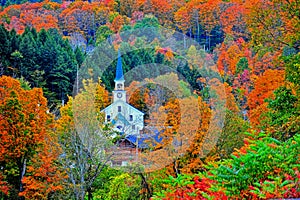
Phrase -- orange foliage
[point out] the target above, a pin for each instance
(230, 100)
(230, 54)
(37, 15)
(117, 23)
(183, 19)
(264, 86)
(25, 140)
(23, 123)
(233, 20)
(255, 115)
(4, 187)
(167, 52)
(209, 13)
(192, 161)
(45, 175)
(16, 24)
(77, 16)
(162, 9)
(265, 62)
(82, 15)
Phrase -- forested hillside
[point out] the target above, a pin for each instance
(234, 73)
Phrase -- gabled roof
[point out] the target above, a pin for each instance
(130, 106)
(104, 109)
(133, 108)
(119, 70)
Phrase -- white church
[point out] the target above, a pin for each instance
(125, 118)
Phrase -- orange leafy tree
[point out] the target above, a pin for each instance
(233, 20)
(183, 20)
(263, 89)
(38, 15)
(45, 175)
(23, 122)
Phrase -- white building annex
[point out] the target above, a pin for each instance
(125, 118)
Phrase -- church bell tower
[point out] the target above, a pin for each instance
(119, 92)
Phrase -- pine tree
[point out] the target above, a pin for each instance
(28, 49)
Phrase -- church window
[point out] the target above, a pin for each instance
(119, 86)
(108, 118)
(130, 117)
(119, 108)
(133, 127)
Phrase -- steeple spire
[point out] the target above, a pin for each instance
(119, 70)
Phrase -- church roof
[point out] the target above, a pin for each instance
(145, 140)
(119, 70)
(130, 106)
(133, 108)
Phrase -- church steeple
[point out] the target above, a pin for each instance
(119, 70)
(119, 92)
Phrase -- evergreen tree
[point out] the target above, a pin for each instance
(5, 45)
(28, 49)
(79, 56)
(14, 40)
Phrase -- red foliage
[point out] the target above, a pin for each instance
(197, 191)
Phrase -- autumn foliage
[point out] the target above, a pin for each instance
(25, 142)
(249, 48)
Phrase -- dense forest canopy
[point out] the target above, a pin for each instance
(243, 53)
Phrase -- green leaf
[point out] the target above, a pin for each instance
(285, 183)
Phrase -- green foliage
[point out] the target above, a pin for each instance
(284, 101)
(132, 59)
(186, 92)
(123, 187)
(242, 65)
(5, 45)
(79, 55)
(284, 114)
(293, 70)
(24, 84)
(191, 76)
(180, 181)
(264, 168)
(264, 161)
(172, 183)
(101, 186)
(43, 59)
(232, 134)
(147, 21)
(103, 33)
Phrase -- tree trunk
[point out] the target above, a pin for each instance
(146, 185)
(209, 42)
(198, 29)
(176, 169)
(90, 194)
(22, 169)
